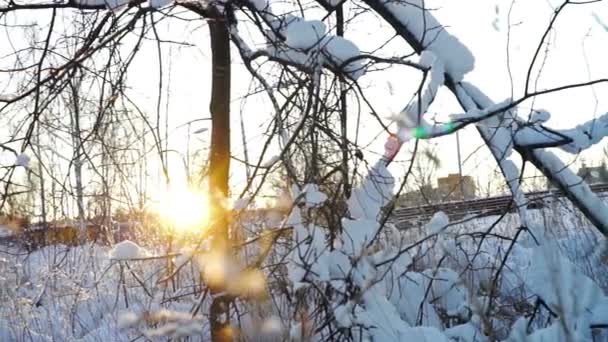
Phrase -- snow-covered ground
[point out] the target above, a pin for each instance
(445, 288)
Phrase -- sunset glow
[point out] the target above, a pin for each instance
(185, 210)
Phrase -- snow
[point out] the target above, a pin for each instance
(260, 5)
(304, 34)
(294, 218)
(296, 332)
(7, 98)
(357, 234)
(373, 283)
(312, 196)
(384, 320)
(561, 285)
(343, 314)
(599, 313)
(5, 231)
(447, 292)
(340, 50)
(241, 203)
(310, 258)
(407, 300)
(575, 185)
(185, 255)
(411, 117)
(126, 250)
(127, 319)
(111, 4)
(586, 134)
(468, 332)
(424, 334)
(500, 141)
(271, 161)
(498, 135)
(291, 56)
(456, 57)
(272, 326)
(540, 116)
(438, 222)
(22, 160)
(305, 39)
(532, 135)
(427, 59)
(366, 201)
(172, 324)
(281, 22)
(475, 113)
(159, 3)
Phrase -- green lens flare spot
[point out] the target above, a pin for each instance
(419, 132)
(450, 126)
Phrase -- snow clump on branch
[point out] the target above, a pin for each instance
(126, 250)
(304, 39)
(456, 57)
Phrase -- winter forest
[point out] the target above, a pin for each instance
(304, 170)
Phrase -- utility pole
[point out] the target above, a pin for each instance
(460, 180)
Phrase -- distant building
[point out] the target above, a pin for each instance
(449, 188)
(593, 174)
(455, 187)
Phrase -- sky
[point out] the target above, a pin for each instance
(577, 54)
(502, 35)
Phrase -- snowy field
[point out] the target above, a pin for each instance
(442, 285)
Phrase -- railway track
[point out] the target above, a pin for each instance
(456, 210)
(403, 217)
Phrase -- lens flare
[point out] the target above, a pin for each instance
(185, 210)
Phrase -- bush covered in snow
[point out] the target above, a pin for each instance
(330, 264)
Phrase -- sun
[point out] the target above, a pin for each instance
(185, 210)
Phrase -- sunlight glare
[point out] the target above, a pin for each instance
(186, 210)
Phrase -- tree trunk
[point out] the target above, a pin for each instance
(219, 163)
(77, 146)
(41, 175)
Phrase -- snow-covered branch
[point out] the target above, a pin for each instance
(586, 134)
(409, 20)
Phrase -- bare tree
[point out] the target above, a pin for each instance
(313, 79)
